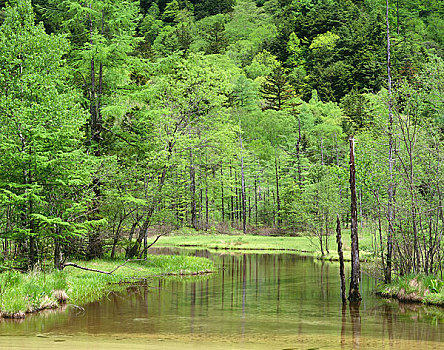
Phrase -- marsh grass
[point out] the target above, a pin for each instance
(301, 244)
(23, 293)
(414, 288)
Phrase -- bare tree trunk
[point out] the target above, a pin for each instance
(236, 198)
(231, 199)
(222, 190)
(244, 204)
(322, 151)
(360, 206)
(206, 208)
(341, 259)
(381, 242)
(337, 163)
(58, 264)
(193, 192)
(255, 199)
(321, 241)
(200, 217)
(278, 198)
(117, 234)
(249, 209)
(388, 270)
(99, 98)
(354, 294)
(298, 154)
(326, 233)
(134, 249)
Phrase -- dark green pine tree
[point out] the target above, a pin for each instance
(276, 89)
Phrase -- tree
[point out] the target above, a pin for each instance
(207, 8)
(213, 31)
(103, 35)
(41, 191)
(354, 293)
(276, 89)
(390, 214)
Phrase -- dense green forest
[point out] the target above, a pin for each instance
(120, 119)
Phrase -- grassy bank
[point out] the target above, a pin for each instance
(414, 288)
(303, 244)
(23, 293)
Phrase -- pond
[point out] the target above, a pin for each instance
(256, 301)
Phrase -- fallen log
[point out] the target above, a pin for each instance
(100, 271)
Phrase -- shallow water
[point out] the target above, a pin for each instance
(267, 301)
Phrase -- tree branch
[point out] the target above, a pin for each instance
(118, 267)
(100, 271)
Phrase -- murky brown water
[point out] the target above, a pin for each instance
(255, 302)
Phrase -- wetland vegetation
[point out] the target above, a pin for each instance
(39, 290)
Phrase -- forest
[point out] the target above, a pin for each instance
(120, 120)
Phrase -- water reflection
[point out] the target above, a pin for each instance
(355, 320)
(262, 299)
(343, 324)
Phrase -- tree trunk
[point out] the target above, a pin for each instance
(231, 199)
(337, 164)
(388, 270)
(360, 207)
(255, 199)
(244, 203)
(298, 154)
(341, 259)
(206, 208)
(322, 151)
(278, 198)
(222, 191)
(326, 233)
(116, 238)
(321, 241)
(354, 294)
(134, 249)
(58, 265)
(193, 192)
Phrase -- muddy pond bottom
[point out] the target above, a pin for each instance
(256, 301)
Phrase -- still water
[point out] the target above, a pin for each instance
(266, 301)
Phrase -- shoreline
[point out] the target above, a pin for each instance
(418, 289)
(37, 291)
(301, 245)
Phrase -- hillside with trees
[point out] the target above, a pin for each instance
(120, 119)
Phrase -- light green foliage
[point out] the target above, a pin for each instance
(323, 120)
(276, 89)
(324, 44)
(151, 25)
(171, 11)
(357, 112)
(435, 285)
(40, 134)
(212, 31)
(261, 66)
(249, 29)
(295, 51)
(117, 125)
